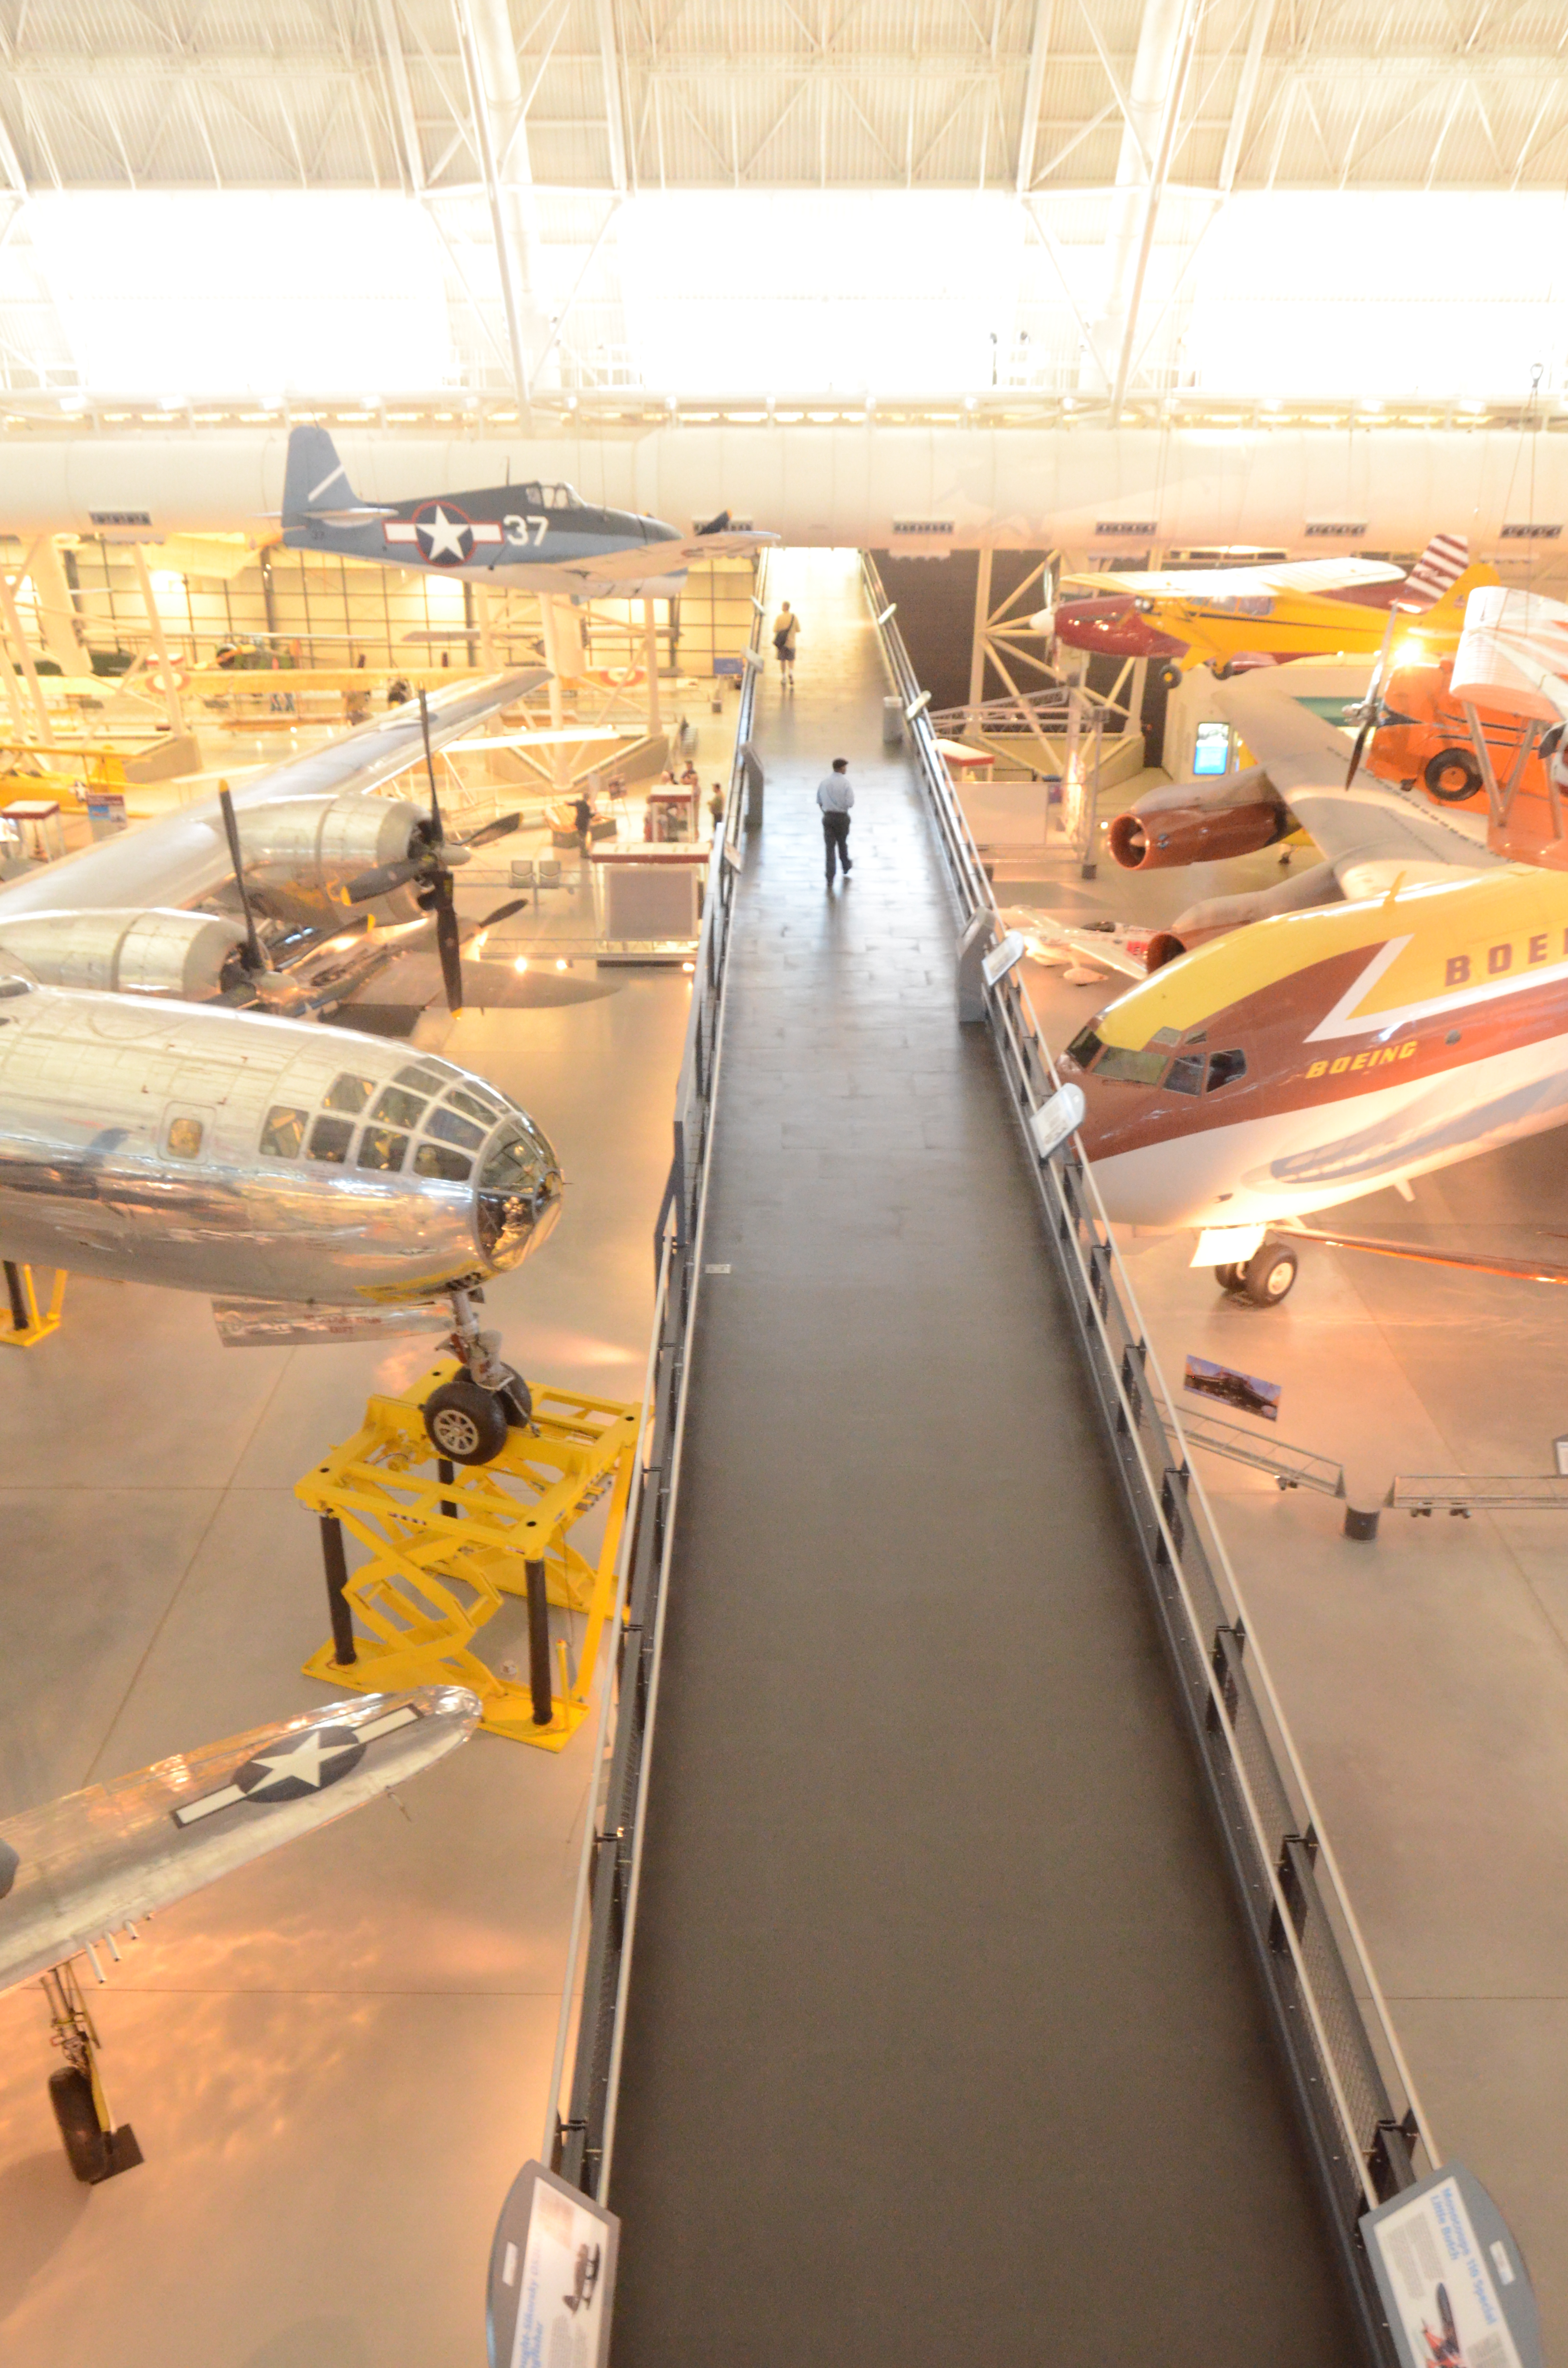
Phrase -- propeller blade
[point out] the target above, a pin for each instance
(1371, 713)
(1361, 738)
(500, 828)
(383, 880)
(449, 945)
(504, 912)
(255, 960)
(437, 833)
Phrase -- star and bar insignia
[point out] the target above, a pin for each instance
(298, 1765)
(442, 533)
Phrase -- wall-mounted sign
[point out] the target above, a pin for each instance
(551, 2276)
(1452, 2279)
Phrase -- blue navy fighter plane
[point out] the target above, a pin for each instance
(537, 537)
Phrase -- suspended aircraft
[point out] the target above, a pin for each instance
(1416, 1015)
(536, 537)
(79, 1869)
(1483, 733)
(315, 1184)
(1227, 617)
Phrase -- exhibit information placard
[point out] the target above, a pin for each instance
(1452, 2278)
(551, 2276)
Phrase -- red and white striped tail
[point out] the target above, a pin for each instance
(1442, 562)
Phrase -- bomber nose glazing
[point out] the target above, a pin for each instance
(518, 1195)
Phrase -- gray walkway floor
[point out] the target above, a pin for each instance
(943, 2044)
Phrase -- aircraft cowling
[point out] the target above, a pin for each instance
(302, 852)
(187, 956)
(1200, 822)
(1216, 915)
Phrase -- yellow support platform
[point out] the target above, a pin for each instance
(21, 1324)
(445, 1551)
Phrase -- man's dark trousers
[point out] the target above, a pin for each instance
(836, 834)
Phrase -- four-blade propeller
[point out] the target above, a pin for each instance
(431, 864)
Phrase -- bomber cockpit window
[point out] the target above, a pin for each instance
(330, 1139)
(1084, 1048)
(478, 1106)
(283, 1132)
(1185, 1074)
(514, 1166)
(1225, 1068)
(382, 1147)
(424, 1081)
(451, 1128)
(349, 1093)
(435, 1159)
(400, 1108)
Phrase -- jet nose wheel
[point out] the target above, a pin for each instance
(464, 1423)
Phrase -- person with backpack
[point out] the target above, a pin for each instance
(785, 633)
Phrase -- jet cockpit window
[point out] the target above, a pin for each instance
(330, 1139)
(1123, 1066)
(382, 1147)
(349, 1093)
(435, 1159)
(399, 1108)
(183, 1138)
(1225, 1068)
(1084, 1048)
(424, 1081)
(1186, 1073)
(283, 1132)
(451, 1128)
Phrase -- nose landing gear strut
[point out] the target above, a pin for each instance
(468, 1418)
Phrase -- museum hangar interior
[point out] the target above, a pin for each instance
(783, 784)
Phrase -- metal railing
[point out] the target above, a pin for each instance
(580, 2135)
(1368, 2137)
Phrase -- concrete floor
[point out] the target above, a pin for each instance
(1426, 1675)
(335, 2060)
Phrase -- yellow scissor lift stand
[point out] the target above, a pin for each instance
(22, 1323)
(446, 1543)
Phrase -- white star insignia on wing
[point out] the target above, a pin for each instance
(302, 1760)
(445, 535)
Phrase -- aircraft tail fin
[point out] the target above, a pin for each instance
(1441, 565)
(316, 490)
(1447, 613)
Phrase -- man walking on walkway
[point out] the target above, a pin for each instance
(786, 633)
(835, 797)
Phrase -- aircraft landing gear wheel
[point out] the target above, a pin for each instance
(1170, 675)
(464, 1423)
(1268, 1274)
(71, 2094)
(1231, 1278)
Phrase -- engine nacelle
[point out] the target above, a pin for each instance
(188, 955)
(1217, 915)
(1200, 822)
(301, 853)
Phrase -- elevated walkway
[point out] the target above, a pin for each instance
(943, 2043)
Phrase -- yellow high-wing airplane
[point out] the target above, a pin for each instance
(1217, 616)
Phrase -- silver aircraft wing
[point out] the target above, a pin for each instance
(1289, 717)
(77, 1868)
(182, 854)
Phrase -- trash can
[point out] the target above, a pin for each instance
(892, 723)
